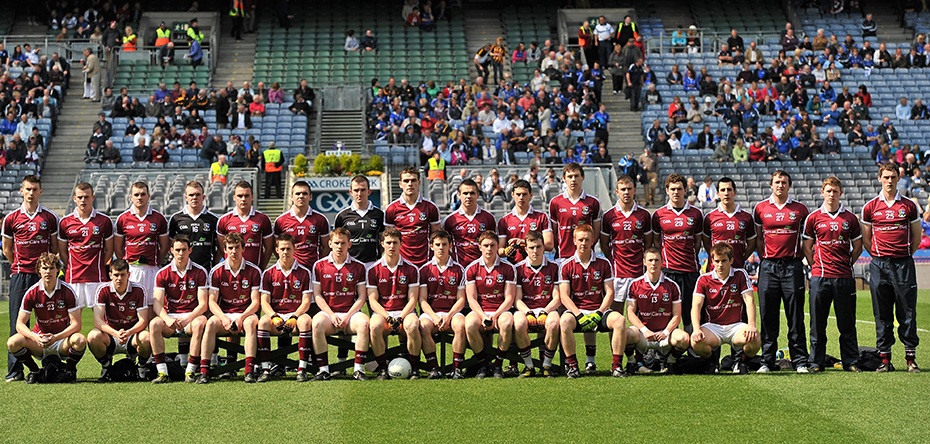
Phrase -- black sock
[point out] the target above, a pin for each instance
(590, 350)
(25, 357)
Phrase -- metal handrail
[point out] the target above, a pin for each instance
(72, 46)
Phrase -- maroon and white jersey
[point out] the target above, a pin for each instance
(85, 240)
(181, 286)
(465, 231)
(254, 228)
(339, 282)
(566, 214)
(287, 288)
(833, 236)
(891, 225)
(121, 311)
(490, 282)
(735, 229)
(414, 223)
(586, 281)
(512, 226)
(51, 310)
(781, 227)
(654, 302)
(678, 231)
(32, 235)
(308, 233)
(393, 284)
(723, 301)
(235, 287)
(537, 284)
(627, 233)
(442, 284)
(141, 233)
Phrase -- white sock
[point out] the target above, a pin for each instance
(191, 367)
(266, 366)
(302, 365)
(162, 368)
(528, 361)
(547, 362)
(360, 367)
(324, 368)
(183, 359)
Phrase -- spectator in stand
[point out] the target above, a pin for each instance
(603, 32)
(141, 153)
(819, 42)
(195, 53)
(740, 153)
(110, 154)
(93, 73)
(257, 107)
(351, 43)
(221, 107)
(919, 111)
(725, 56)
(519, 55)
(723, 153)
(735, 42)
(159, 153)
(369, 41)
(679, 40)
(276, 95)
(831, 145)
(241, 119)
(789, 42)
(93, 154)
(869, 27)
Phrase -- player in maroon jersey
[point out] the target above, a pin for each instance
(467, 223)
(719, 298)
(180, 303)
(587, 291)
(514, 226)
(678, 227)
(779, 223)
(85, 238)
(490, 287)
(338, 286)
(891, 233)
(626, 232)
(442, 298)
(27, 233)
(141, 238)
(414, 216)
(730, 223)
(654, 311)
(58, 322)
(393, 290)
(234, 303)
(572, 208)
(537, 296)
(832, 244)
(253, 225)
(119, 321)
(286, 300)
(309, 229)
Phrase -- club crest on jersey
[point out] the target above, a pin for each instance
(132, 305)
(548, 280)
(690, 221)
(901, 212)
(296, 285)
(61, 303)
(792, 215)
(401, 279)
(585, 210)
(532, 226)
(422, 216)
(312, 229)
(255, 228)
(597, 275)
(96, 230)
(452, 280)
(206, 227)
(481, 226)
(152, 227)
(191, 284)
(665, 297)
(500, 278)
(845, 224)
(639, 225)
(733, 288)
(350, 276)
(43, 225)
(245, 283)
(742, 225)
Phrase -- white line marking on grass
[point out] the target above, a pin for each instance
(867, 322)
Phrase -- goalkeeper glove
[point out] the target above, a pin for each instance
(541, 320)
(278, 322)
(395, 323)
(596, 316)
(511, 252)
(531, 321)
(290, 325)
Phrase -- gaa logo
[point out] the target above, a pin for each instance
(597, 275)
(96, 230)
(532, 226)
(296, 285)
(500, 279)
(401, 279)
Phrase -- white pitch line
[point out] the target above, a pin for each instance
(866, 322)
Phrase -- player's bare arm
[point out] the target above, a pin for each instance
(750, 304)
(696, 305)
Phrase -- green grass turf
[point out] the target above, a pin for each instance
(781, 407)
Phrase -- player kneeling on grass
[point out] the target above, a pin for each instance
(57, 331)
(719, 298)
(654, 311)
(119, 321)
(587, 289)
(442, 298)
(338, 286)
(180, 304)
(393, 289)
(537, 296)
(285, 301)
(234, 303)
(490, 286)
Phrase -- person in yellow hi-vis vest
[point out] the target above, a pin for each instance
(129, 40)
(237, 12)
(194, 31)
(163, 45)
(437, 167)
(219, 170)
(274, 163)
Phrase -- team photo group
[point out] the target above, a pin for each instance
(406, 271)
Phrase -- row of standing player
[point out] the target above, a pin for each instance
(626, 230)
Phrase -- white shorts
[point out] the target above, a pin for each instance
(343, 314)
(663, 346)
(180, 316)
(425, 316)
(54, 350)
(122, 349)
(621, 288)
(86, 293)
(537, 311)
(724, 332)
(394, 313)
(144, 275)
(284, 316)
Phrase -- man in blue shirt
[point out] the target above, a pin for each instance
(902, 111)
(195, 55)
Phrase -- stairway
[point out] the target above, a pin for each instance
(236, 59)
(66, 153)
(890, 28)
(625, 132)
(342, 125)
(672, 13)
(484, 26)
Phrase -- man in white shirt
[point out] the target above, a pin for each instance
(501, 122)
(602, 33)
(141, 135)
(707, 193)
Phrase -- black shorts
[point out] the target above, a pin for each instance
(601, 327)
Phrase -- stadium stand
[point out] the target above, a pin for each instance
(751, 15)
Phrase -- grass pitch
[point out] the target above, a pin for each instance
(780, 407)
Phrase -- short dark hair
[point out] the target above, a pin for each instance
(244, 184)
(392, 232)
(783, 173)
(284, 237)
(234, 239)
(181, 238)
(467, 183)
(32, 178)
(534, 236)
(119, 265)
(521, 184)
(724, 180)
